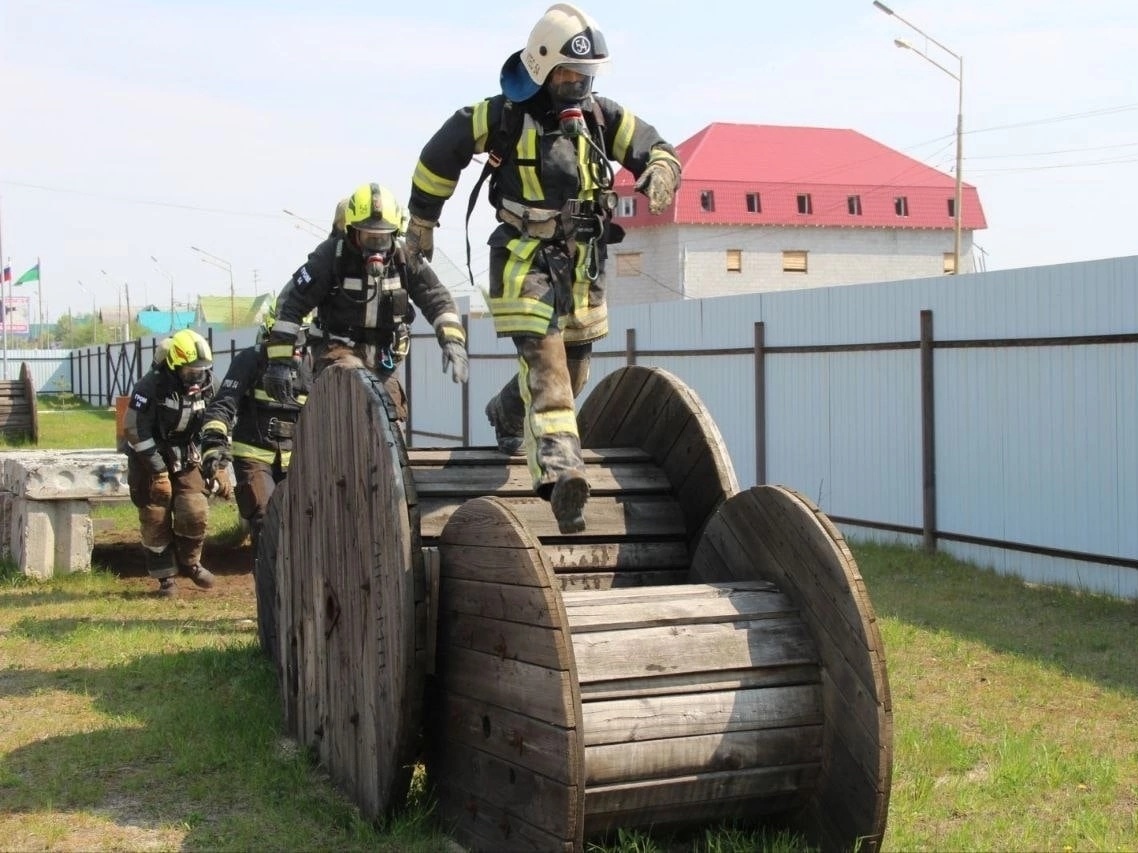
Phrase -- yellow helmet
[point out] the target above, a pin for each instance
(188, 349)
(375, 216)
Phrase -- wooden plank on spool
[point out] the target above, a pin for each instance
(650, 517)
(427, 457)
(659, 717)
(725, 751)
(690, 604)
(488, 802)
(676, 801)
(657, 556)
(465, 481)
(778, 535)
(677, 649)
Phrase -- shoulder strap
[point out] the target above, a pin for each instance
(505, 137)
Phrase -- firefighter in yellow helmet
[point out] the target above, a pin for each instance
(250, 430)
(165, 414)
(364, 294)
(550, 144)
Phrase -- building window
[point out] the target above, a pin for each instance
(754, 203)
(805, 205)
(628, 263)
(794, 260)
(707, 201)
(901, 205)
(734, 260)
(949, 263)
(853, 205)
(952, 208)
(627, 206)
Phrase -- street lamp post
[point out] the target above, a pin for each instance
(958, 76)
(170, 276)
(228, 267)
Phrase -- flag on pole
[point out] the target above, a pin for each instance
(7, 273)
(31, 275)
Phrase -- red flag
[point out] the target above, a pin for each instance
(7, 273)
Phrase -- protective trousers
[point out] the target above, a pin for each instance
(509, 407)
(181, 523)
(326, 353)
(256, 482)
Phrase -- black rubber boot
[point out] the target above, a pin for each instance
(200, 575)
(568, 499)
(167, 588)
(509, 441)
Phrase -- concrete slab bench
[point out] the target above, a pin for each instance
(45, 506)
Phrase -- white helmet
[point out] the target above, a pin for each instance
(565, 36)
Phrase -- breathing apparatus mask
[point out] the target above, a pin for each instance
(568, 88)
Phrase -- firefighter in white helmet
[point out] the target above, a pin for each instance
(550, 144)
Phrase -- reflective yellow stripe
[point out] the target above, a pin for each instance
(586, 173)
(557, 421)
(479, 124)
(279, 350)
(216, 426)
(623, 139)
(520, 316)
(527, 150)
(657, 154)
(454, 333)
(432, 184)
(251, 451)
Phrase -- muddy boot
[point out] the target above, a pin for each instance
(167, 588)
(568, 498)
(509, 436)
(200, 575)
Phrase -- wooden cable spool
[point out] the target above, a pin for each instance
(696, 654)
(19, 408)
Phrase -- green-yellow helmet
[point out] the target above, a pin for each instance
(188, 349)
(375, 216)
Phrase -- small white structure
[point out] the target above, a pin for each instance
(45, 506)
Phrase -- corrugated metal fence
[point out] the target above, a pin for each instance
(994, 416)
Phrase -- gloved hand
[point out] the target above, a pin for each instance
(658, 182)
(420, 238)
(161, 489)
(215, 455)
(454, 357)
(219, 484)
(277, 381)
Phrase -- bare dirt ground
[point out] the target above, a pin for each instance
(232, 566)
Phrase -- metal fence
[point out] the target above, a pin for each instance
(993, 416)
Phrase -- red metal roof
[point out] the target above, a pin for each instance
(830, 165)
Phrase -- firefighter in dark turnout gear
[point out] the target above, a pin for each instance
(361, 288)
(160, 429)
(550, 143)
(250, 430)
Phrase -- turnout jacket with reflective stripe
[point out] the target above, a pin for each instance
(540, 169)
(331, 282)
(162, 422)
(245, 413)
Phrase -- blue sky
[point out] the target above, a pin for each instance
(138, 129)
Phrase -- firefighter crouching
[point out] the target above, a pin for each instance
(252, 431)
(362, 289)
(160, 429)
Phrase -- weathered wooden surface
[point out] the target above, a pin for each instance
(19, 410)
(505, 750)
(778, 535)
(265, 582)
(651, 409)
(695, 654)
(684, 704)
(352, 600)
